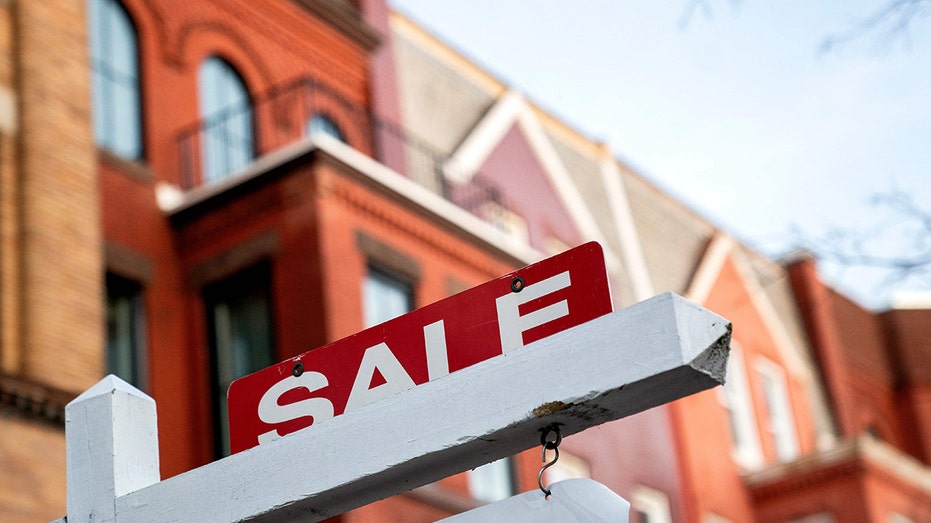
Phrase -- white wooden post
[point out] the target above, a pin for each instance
(614, 366)
(112, 445)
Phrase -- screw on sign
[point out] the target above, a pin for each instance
(491, 319)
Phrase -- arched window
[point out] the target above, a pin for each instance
(115, 79)
(321, 123)
(226, 113)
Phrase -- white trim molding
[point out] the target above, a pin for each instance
(631, 249)
(511, 109)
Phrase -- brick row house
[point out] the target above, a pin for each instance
(246, 181)
(775, 444)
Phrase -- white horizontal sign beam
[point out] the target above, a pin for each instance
(625, 362)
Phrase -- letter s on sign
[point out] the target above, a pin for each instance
(271, 412)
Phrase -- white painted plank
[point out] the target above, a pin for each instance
(112, 448)
(622, 363)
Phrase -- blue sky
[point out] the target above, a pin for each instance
(738, 113)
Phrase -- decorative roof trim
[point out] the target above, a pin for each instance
(173, 202)
(404, 26)
(719, 250)
(709, 268)
(859, 455)
(631, 248)
(343, 16)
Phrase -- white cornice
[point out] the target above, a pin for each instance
(172, 200)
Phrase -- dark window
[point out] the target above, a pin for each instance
(241, 337)
(385, 296)
(226, 113)
(321, 123)
(115, 79)
(125, 330)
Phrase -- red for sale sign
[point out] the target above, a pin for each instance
(491, 319)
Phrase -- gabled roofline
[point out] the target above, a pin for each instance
(720, 249)
(510, 110)
(628, 237)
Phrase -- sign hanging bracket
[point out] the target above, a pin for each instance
(548, 445)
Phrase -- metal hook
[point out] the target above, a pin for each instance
(548, 445)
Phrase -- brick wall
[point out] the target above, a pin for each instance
(32, 458)
(51, 321)
(59, 237)
(9, 333)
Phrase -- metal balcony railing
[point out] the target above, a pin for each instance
(218, 146)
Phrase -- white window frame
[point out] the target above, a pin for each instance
(385, 296)
(127, 353)
(227, 137)
(736, 398)
(780, 421)
(324, 124)
(652, 502)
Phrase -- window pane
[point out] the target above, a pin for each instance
(127, 137)
(125, 330)
(324, 124)
(115, 79)
(241, 337)
(739, 405)
(227, 139)
(385, 297)
(781, 423)
(650, 505)
(492, 482)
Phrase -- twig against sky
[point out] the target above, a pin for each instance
(891, 22)
(903, 220)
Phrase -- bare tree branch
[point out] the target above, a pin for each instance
(907, 223)
(691, 7)
(892, 21)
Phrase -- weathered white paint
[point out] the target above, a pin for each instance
(614, 366)
(112, 445)
(572, 501)
(631, 249)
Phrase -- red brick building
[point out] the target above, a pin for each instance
(763, 448)
(194, 190)
(228, 205)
